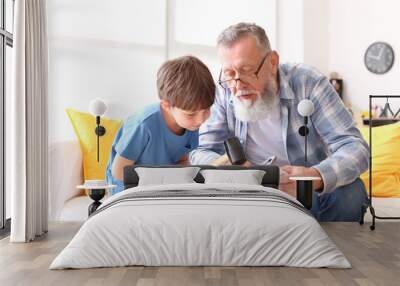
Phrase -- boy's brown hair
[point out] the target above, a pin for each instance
(186, 83)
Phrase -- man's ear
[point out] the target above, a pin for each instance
(274, 62)
(165, 105)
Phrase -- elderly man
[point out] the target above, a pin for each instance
(257, 102)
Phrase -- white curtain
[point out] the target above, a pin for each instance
(28, 161)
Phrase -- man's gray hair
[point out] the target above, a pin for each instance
(234, 33)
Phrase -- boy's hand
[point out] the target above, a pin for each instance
(184, 160)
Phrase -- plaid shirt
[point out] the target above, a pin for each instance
(335, 146)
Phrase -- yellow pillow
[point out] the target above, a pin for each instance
(84, 125)
(385, 160)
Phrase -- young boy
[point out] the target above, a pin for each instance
(164, 133)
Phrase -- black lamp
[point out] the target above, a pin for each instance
(97, 107)
(304, 187)
(305, 109)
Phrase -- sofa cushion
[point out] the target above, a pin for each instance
(84, 126)
(385, 160)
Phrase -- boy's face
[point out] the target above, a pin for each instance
(190, 120)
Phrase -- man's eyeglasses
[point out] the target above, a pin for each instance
(245, 78)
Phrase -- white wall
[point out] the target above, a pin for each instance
(354, 25)
(290, 31)
(316, 34)
(336, 34)
(106, 49)
(302, 32)
(195, 25)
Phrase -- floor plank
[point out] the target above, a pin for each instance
(375, 257)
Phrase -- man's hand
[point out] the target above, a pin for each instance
(289, 186)
(246, 164)
(221, 161)
(224, 161)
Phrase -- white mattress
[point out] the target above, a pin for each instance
(183, 231)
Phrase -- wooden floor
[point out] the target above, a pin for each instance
(375, 256)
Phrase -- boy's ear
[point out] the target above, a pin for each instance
(165, 105)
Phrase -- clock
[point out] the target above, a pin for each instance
(379, 57)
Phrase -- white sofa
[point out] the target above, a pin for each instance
(66, 202)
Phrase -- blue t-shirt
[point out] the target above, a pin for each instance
(146, 139)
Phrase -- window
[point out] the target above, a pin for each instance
(6, 44)
(192, 33)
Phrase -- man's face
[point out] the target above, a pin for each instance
(254, 96)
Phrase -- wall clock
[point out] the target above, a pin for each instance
(379, 57)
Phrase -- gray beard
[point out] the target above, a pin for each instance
(262, 106)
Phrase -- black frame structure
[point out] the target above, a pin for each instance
(6, 39)
(370, 206)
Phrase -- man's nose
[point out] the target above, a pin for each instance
(240, 85)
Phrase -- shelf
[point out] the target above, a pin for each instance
(380, 121)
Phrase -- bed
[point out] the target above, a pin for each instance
(201, 224)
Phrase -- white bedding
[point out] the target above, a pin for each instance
(189, 230)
